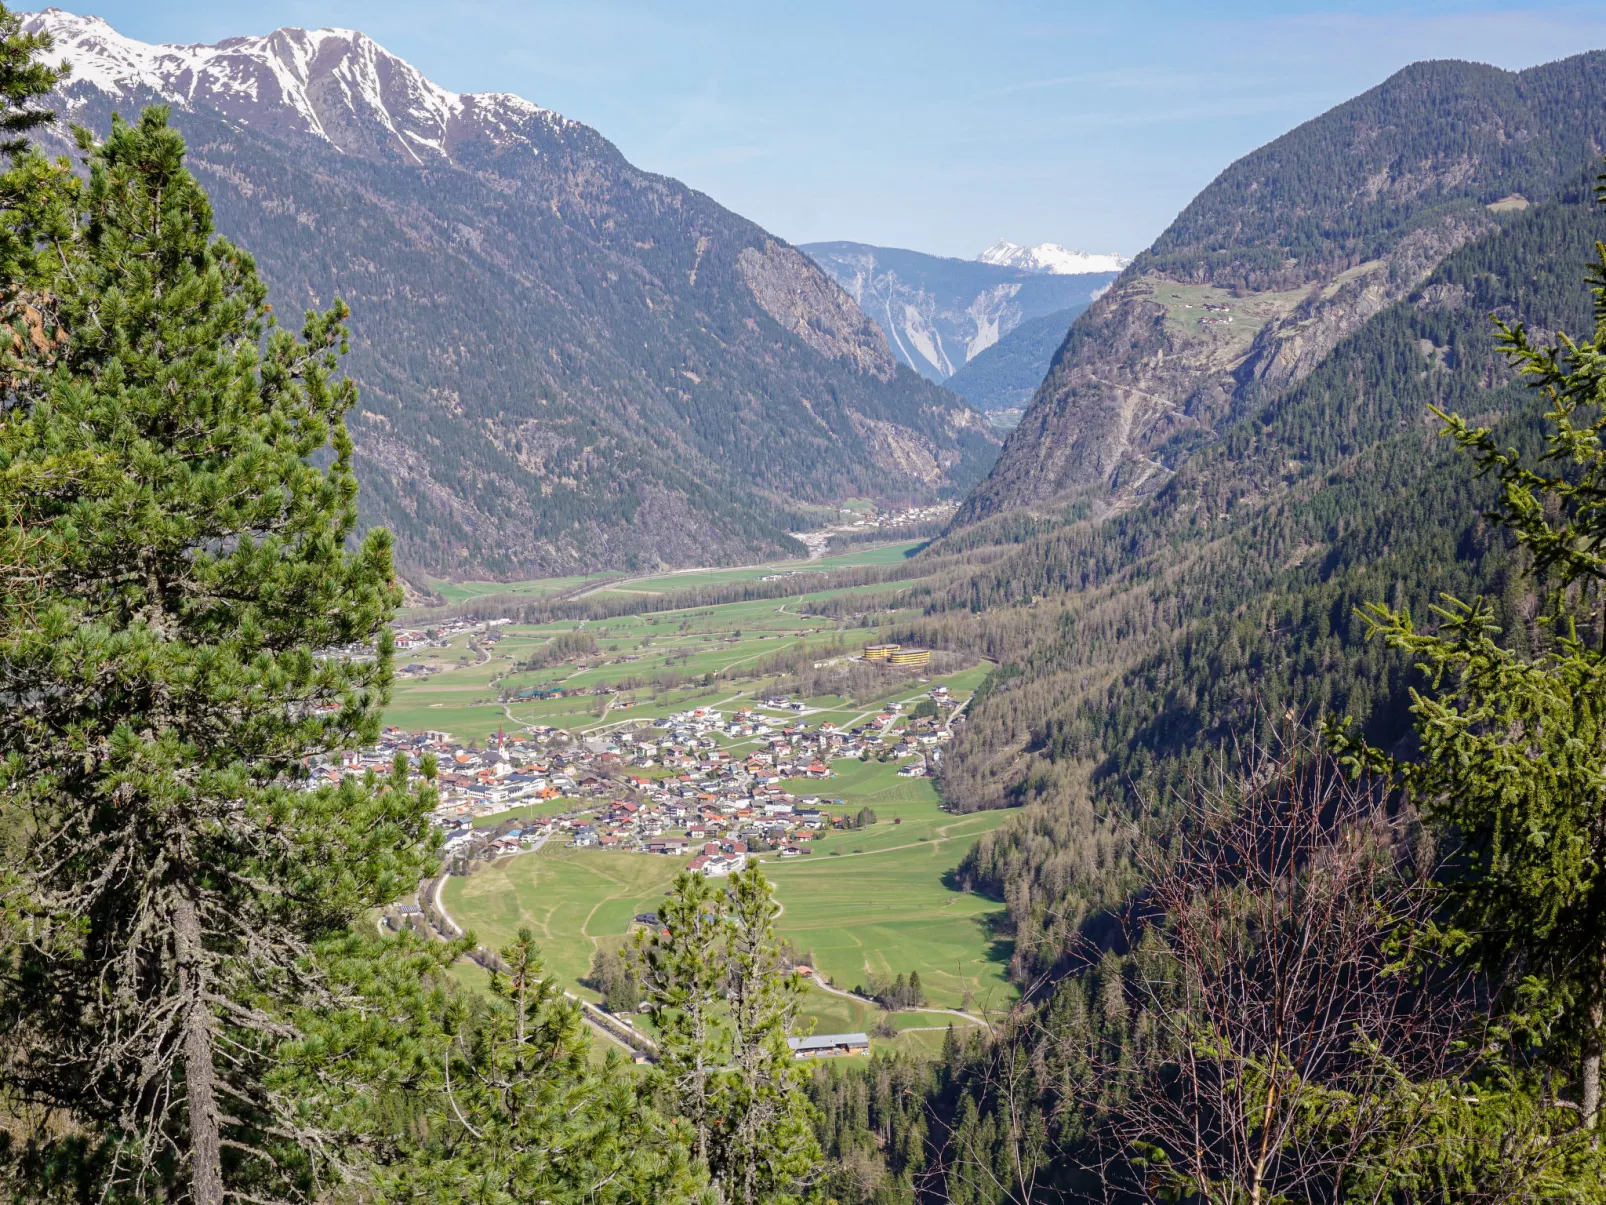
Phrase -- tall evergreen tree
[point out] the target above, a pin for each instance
(724, 1007)
(769, 1149)
(680, 976)
(176, 502)
(507, 1104)
(1512, 756)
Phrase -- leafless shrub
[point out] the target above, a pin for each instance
(1276, 953)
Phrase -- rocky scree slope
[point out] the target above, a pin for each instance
(940, 313)
(1288, 251)
(566, 363)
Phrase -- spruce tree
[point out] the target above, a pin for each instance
(184, 626)
(1512, 743)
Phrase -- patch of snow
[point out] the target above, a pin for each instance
(284, 77)
(1051, 258)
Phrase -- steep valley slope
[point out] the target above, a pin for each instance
(1134, 647)
(1288, 251)
(1006, 375)
(566, 363)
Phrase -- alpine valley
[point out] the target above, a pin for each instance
(1193, 797)
(566, 363)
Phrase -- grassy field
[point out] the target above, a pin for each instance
(669, 583)
(462, 697)
(877, 900)
(889, 910)
(454, 592)
(575, 901)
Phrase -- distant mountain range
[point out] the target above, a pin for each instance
(1289, 251)
(1007, 374)
(940, 313)
(1050, 257)
(566, 363)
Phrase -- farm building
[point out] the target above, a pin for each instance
(829, 1045)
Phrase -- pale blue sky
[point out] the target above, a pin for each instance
(939, 125)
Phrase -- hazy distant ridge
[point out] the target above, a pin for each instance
(940, 313)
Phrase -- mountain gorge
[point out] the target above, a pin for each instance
(1005, 376)
(940, 313)
(1288, 251)
(567, 363)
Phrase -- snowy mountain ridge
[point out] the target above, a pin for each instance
(518, 290)
(1050, 258)
(335, 85)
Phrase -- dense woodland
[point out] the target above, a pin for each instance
(1153, 638)
(1009, 372)
(1138, 652)
(1343, 189)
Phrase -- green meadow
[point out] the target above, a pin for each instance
(889, 909)
(666, 583)
(455, 592)
(879, 900)
(876, 900)
(872, 900)
(691, 643)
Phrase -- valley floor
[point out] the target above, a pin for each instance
(878, 900)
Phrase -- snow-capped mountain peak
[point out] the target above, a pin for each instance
(1050, 258)
(337, 85)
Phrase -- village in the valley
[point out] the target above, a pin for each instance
(592, 738)
(704, 783)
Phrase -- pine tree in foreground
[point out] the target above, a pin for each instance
(23, 80)
(498, 1099)
(724, 1006)
(176, 498)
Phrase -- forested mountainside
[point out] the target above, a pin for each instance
(1005, 376)
(941, 313)
(1288, 251)
(566, 363)
(1133, 647)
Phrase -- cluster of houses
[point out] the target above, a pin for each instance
(408, 640)
(855, 520)
(700, 783)
(1219, 313)
(899, 518)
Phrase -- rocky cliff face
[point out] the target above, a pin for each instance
(566, 363)
(1290, 250)
(939, 314)
(791, 290)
